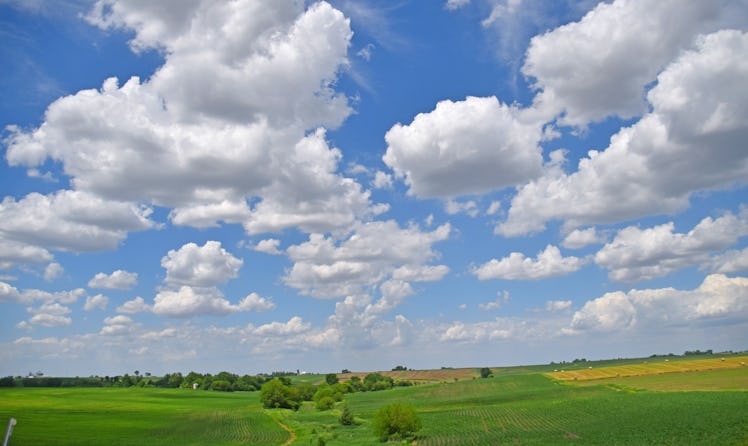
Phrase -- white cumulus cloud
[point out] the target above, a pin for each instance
(200, 266)
(466, 147)
(548, 263)
(117, 280)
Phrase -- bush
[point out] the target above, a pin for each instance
(485, 372)
(395, 420)
(325, 403)
(274, 394)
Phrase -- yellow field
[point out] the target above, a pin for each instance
(656, 366)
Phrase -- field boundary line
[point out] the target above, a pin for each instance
(287, 429)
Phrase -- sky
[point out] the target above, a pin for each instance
(255, 186)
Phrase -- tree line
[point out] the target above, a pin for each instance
(223, 381)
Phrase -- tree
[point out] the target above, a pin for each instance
(306, 391)
(331, 379)
(395, 420)
(346, 417)
(485, 372)
(377, 381)
(222, 385)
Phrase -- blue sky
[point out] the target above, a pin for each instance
(254, 186)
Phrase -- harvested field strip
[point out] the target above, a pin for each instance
(651, 368)
(422, 376)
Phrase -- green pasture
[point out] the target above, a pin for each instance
(533, 409)
(692, 408)
(111, 416)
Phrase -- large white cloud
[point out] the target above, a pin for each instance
(327, 267)
(641, 254)
(600, 65)
(717, 298)
(691, 140)
(222, 123)
(68, 221)
(190, 301)
(548, 263)
(468, 147)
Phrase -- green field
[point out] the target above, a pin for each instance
(110, 416)
(680, 408)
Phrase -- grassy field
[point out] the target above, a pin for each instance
(106, 416)
(522, 406)
(532, 409)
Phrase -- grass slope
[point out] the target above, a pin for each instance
(533, 409)
(74, 416)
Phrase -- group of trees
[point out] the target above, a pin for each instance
(391, 421)
(281, 393)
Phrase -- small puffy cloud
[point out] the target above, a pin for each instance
(456, 4)
(686, 143)
(53, 271)
(382, 180)
(557, 305)
(453, 207)
(268, 246)
(9, 293)
(549, 263)
(98, 301)
(718, 297)
(118, 280)
(255, 302)
(478, 332)
(134, 306)
(503, 297)
(468, 147)
(50, 314)
(118, 326)
(200, 266)
(366, 51)
(493, 208)
(579, 238)
(50, 320)
(420, 273)
(295, 325)
(642, 254)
